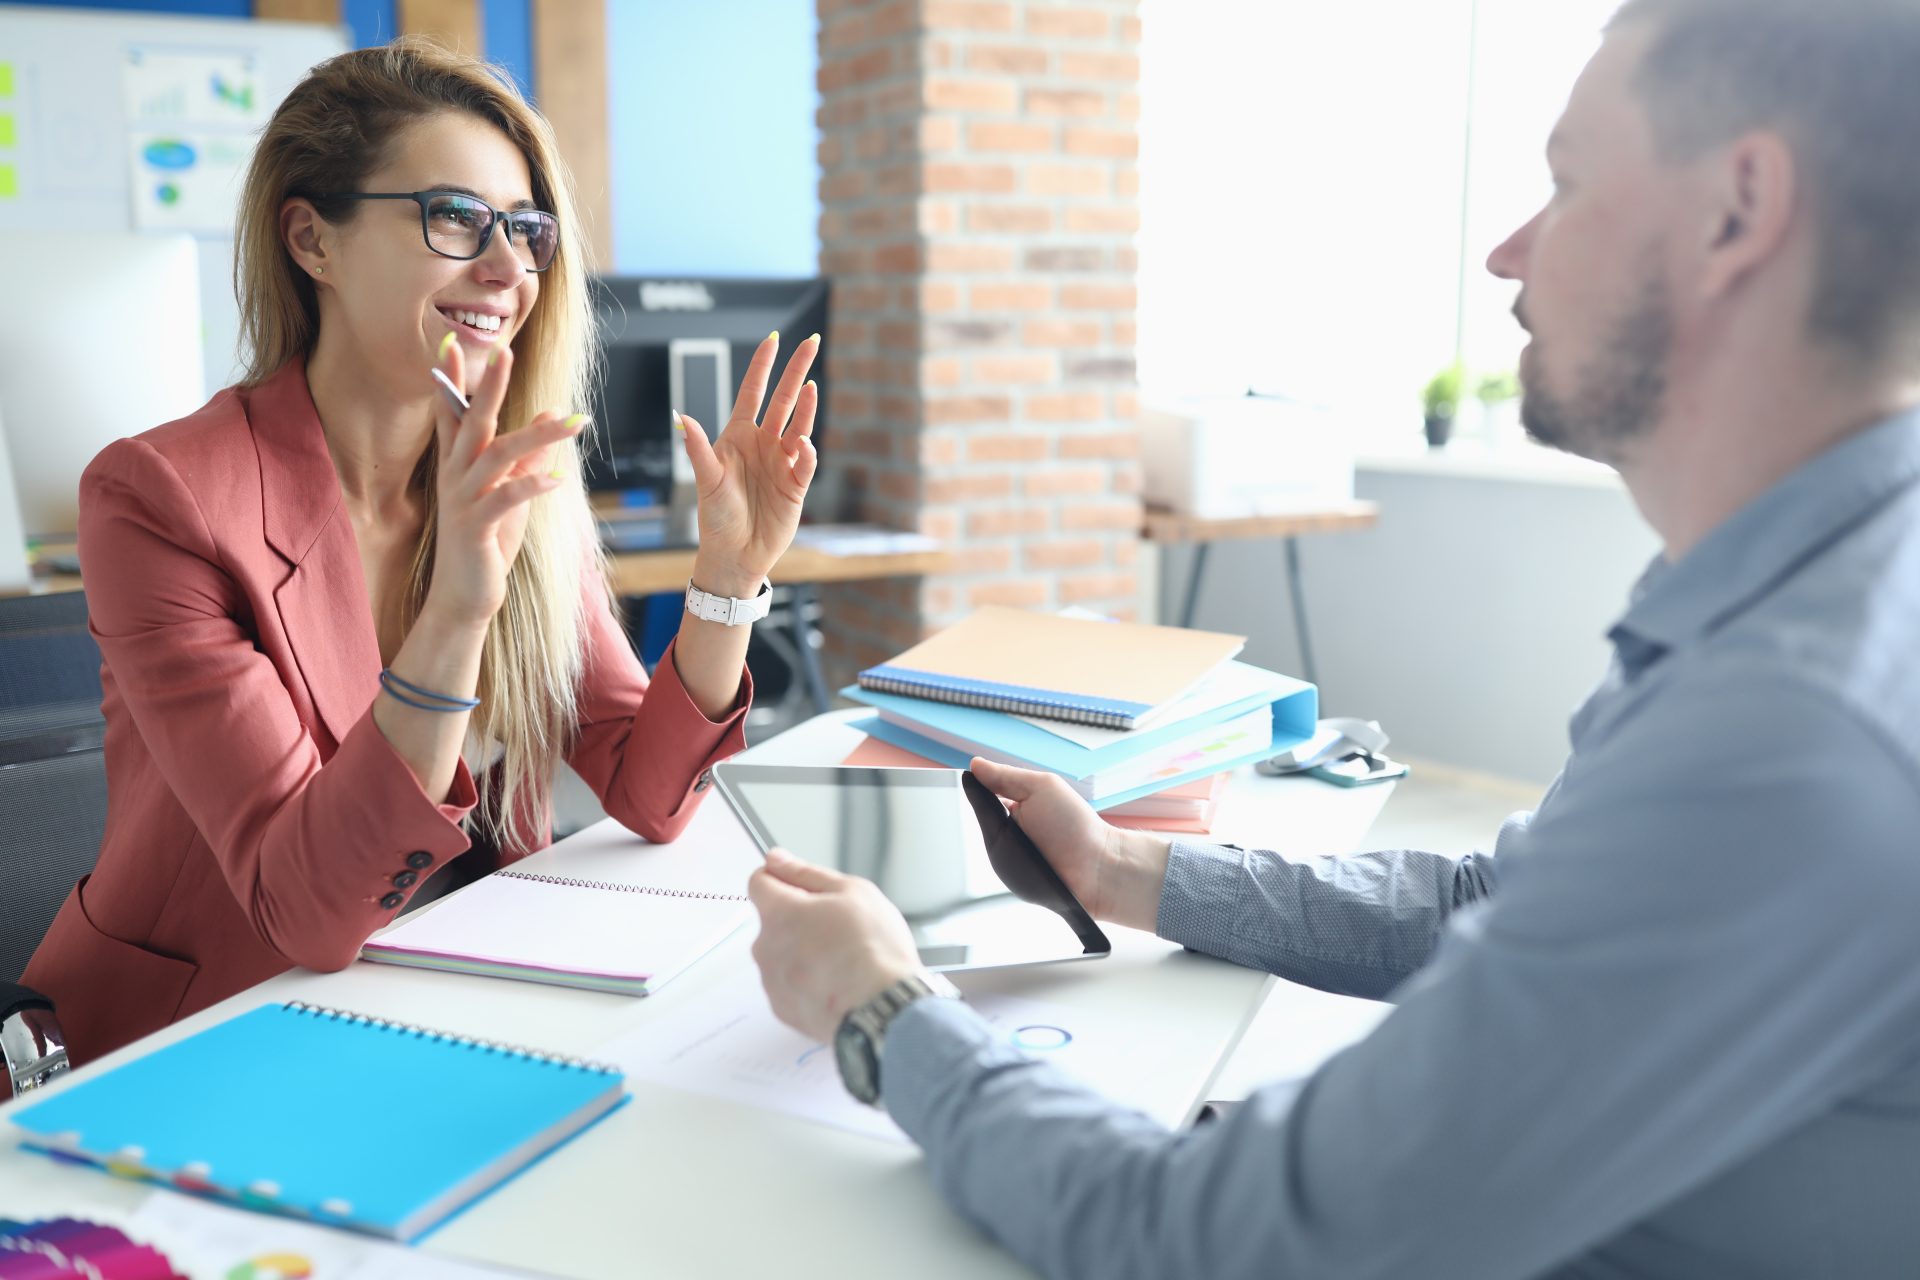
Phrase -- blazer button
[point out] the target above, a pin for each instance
(405, 879)
(420, 860)
(704, 781)
(393, 900)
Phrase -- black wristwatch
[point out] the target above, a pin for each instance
(856, 1045)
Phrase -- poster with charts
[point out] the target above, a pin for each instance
(193, 118)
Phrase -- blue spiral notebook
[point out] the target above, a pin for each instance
(342, 1119)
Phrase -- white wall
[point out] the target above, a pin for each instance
(1470, 622)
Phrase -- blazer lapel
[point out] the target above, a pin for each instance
(323, 601)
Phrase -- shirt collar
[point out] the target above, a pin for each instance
(1752, 552)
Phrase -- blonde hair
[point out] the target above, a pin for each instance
(337, 126)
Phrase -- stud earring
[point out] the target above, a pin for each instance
(319, 271)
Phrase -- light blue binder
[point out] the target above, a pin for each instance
(1296, 709)
(317, 1113)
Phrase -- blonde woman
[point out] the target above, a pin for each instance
(349, 630)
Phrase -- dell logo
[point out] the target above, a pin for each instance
(675, 296)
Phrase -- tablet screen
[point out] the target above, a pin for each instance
(975, 891)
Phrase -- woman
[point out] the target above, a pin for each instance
(349, 631)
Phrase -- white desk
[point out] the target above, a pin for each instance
(680, 1185)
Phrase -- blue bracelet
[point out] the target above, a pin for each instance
(425, 699)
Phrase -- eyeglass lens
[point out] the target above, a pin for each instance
(457, 227)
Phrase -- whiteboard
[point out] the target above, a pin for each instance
(128, 122)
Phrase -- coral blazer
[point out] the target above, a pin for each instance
(257, 818)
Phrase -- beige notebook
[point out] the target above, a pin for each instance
(1117, 674)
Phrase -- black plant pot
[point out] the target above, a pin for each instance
(1439, 430)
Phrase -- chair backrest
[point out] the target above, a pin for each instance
(53, 779)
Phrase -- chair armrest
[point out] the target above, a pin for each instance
(33, 1047)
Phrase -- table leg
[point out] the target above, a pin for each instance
(1307, 670)
(1193, 582)
(800, 607)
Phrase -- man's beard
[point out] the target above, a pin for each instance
(1618, 395)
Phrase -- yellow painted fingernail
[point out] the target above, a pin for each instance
(446, 345)
(813, 384)
(678, 425)
(774, 336)
(493, 355)
(814, 338)
(556, 475)
(576, 422)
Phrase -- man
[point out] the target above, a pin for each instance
(1671, 1027)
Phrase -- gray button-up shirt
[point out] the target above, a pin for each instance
(1670, 1027)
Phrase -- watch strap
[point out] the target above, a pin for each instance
(730, 611)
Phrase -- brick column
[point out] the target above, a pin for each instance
(979, 203)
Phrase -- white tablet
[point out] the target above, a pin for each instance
(940, 845)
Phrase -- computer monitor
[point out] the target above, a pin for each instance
(99, 339)
(679, 344)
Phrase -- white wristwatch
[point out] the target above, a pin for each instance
(725, 609)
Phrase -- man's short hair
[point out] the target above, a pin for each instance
(1840, 80)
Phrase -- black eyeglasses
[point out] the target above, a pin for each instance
(461, 226)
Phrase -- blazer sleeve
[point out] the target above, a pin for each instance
(310, 848)
(643, 746)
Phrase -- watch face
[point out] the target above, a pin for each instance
(859, 1069)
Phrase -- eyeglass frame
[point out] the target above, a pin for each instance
(498, 219)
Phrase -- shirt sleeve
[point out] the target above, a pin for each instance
(1354, 924)
(1705, 941)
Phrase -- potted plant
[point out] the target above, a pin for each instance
(1499, 397)
(1441, 400)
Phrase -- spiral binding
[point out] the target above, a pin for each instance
(1051, 708)
(626, 888)
(501, 1047)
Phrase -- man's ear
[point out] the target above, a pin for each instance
(1754, 192)
(305, 234)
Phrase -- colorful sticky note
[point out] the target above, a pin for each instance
(8, 136)
(6, 79)
(9, 182)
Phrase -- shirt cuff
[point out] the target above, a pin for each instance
(930, 1046)
(1201, 895)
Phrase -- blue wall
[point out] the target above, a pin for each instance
(713, 138)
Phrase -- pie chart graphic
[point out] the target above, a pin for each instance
(273, 1266)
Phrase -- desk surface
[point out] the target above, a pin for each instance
(675, 1184)
(1161, 525)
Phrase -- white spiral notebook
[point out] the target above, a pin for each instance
(604, 910)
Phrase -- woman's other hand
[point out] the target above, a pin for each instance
(486, 481)
(752, 480)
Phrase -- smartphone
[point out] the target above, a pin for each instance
(1358, 769)
(458, 401)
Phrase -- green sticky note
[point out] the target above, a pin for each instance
(8, 138)
(9, 182)
(6, 79)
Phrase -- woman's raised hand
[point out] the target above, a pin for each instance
(753, 479)
(486, 479)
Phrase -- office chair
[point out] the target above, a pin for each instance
(53, 791)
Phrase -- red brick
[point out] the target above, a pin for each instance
(847, 184)
(964, 15)
(943, 93)
(1124, 67)
(1130, 30)
(1126, 106)
(1064, 480)
(1127, 182)
(897, 335)
(1024, 593)
(944, 525)
(1008, 522)
(1112, 514)
(1079, 104)
(1017, 219)
(1026, 447)
(1016, 371)
(977, 179)
(1124, 143)
(1126, 552)
(935, 217)
(896, 257)
(1054, 258)
(1020, 296)
(969, 257)
(1108, 368)
(1102, 586)
(1060, 333)
(938, 296)
(1082, 553)
(973, 487)
(1099, 297)
(1105, 444)
(1007, 135)
(950, 335)
(902, 486)
(1013, 60)
(1126, 405)
(980, 559)
(1098, 220)
(944, 371)
(937, 134)
(947, 410)
(1067, 180)
(1076, 406)
(1078, 24)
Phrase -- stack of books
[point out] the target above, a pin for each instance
(1142, 721)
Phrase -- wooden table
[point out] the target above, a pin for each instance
(1169, 528)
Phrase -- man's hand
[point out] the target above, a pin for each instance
(828, 942)
(1117, 875)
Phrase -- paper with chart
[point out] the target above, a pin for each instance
(730, 1046)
